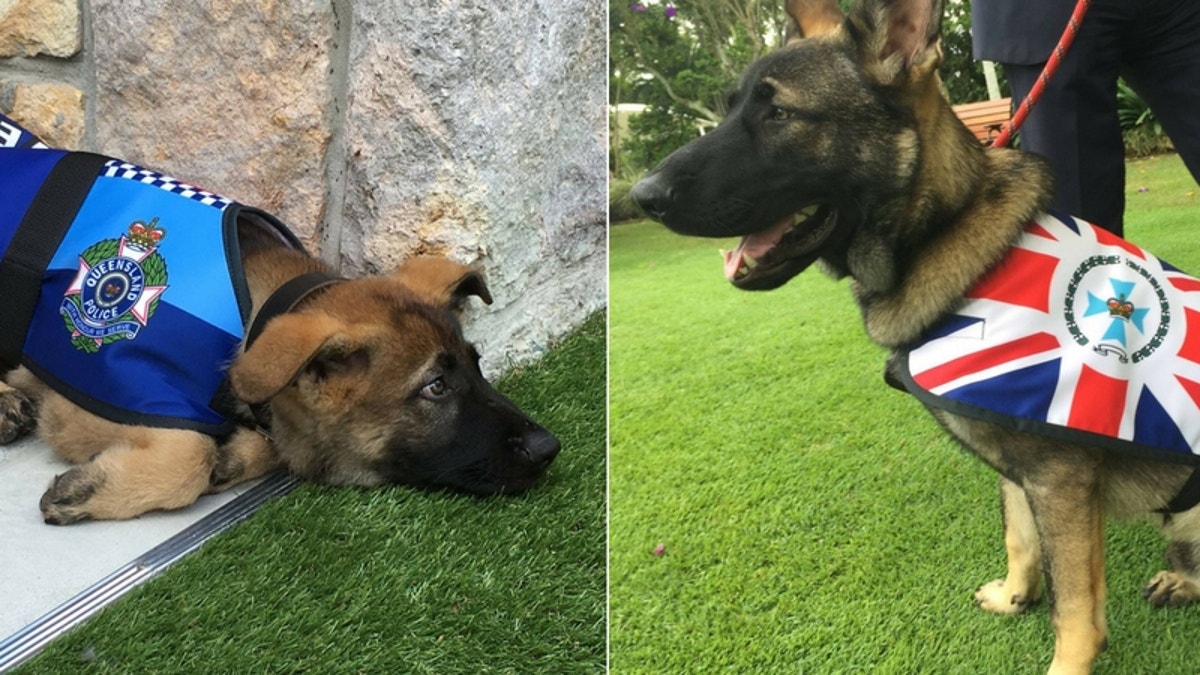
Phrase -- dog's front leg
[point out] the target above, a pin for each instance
(1070, 520)
(147, 470)
(1021, 586)
(245, 456)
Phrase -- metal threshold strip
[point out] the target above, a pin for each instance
(29, 640)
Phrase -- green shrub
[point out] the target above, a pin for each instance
(1142, 133)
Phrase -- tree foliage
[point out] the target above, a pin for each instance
(681, 58)
(961, 74)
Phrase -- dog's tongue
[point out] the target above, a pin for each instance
(755, 246)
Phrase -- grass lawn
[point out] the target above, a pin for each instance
(392, 581)
(812, 519)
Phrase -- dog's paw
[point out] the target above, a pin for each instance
(1170, 589)
(228, 470)
(996, 597)
(66, 501)
(18, 415)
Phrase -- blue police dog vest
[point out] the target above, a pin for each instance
(134, 296)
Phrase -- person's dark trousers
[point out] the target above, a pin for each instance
(1155, 45)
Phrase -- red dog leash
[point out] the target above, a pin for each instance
(1060, 50)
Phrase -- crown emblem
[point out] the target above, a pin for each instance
(1119, 307)
(145, 235)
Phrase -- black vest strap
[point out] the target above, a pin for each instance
(1189, 495)
(38, 236)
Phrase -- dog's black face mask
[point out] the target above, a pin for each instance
(482, 443)
(784, 170)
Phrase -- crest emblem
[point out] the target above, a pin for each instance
(116, 289)
(1124, 311)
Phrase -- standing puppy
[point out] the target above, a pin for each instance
(840, 149)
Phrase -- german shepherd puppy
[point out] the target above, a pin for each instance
(840, 148)
(368, 382)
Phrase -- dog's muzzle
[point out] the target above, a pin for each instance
(653, 196)
(537, 446)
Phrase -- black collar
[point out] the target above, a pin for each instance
(283, 300)
(287, 297)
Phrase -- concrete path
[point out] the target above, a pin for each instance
(43, 566)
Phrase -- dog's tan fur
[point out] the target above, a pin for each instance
(929, 213)
(339, 374)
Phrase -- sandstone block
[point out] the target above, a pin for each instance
(52, 111)
(232, 96)
(32, 27)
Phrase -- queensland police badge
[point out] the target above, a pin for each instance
(116, 290)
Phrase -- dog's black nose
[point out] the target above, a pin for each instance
(652, 195)
(540, 446)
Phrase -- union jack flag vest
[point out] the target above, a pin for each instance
(1077, 335)
(123, 288)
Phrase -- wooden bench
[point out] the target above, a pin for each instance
(985, 119)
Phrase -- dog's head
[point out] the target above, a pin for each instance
(820, 138)
(372, 382)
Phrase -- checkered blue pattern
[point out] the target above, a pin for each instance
(118, 169)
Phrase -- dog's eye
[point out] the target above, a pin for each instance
(435, 390)
(777, 114)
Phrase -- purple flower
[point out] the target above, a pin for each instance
(670, 11)
(637, 7)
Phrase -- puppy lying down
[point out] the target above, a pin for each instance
(171, 342)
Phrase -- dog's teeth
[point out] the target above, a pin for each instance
(745, 263)
(748, 262)
(804, 214)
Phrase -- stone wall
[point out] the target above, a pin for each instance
(375, 128)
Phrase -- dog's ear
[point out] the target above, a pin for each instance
(294, 346)
(898, 39)
(442, 282)
(812, 17)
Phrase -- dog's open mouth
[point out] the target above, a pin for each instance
(768, 259)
